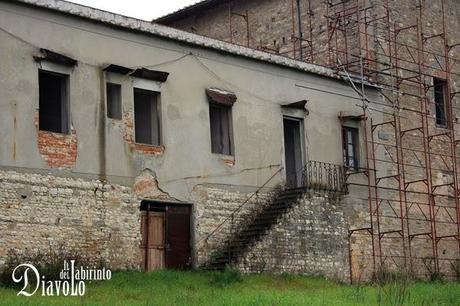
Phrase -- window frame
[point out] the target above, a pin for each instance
(355, 146)
(65, 101)
(157, 108)
(120, 102)
(229, 113)
(444, 120)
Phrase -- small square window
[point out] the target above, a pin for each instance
(221, 131)
(53, 102)
(147, 117)
(114, 105)
(350, 148)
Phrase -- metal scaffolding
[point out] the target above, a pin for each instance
(416, 205)
(411, 160)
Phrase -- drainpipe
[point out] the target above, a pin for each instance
(299, 27)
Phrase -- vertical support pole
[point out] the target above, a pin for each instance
(310, 21)
(425, 130)
(299, 29)
(369, 188)
(345, 35)
(248, 29)
(230, 22)
(394, 58)
(453, 144)
(403, 212)
(293, 36)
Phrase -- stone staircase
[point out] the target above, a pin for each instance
(241, 241)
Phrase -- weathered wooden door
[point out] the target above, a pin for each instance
(178, 237)
(153, 240)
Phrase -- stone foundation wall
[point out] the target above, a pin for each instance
(102, 221)
(39, 212)
(310, 239)
(213, 205)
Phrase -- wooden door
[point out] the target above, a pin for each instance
(178, 237)
(153, 240)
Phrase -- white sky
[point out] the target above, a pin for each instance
(142, 9)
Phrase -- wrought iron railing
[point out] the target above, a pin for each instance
(322, 176)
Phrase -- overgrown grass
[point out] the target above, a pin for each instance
(230, 288)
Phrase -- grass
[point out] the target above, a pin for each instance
(230, 288)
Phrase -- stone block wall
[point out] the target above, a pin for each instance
(311, 238)
(102, 221)
(43, 211)
(213, 207)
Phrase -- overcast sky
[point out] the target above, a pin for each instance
(142, 9)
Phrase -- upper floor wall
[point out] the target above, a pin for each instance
(101, 147)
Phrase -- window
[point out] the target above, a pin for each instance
(350, 148)
(53, 102)
(440, 86)
(147, 117)
(114, 108)
(221, 138)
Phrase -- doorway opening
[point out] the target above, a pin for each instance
(293, 151)
(165, 236)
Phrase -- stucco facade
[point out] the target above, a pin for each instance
(84, 189)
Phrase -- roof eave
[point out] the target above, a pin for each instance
(168, 33)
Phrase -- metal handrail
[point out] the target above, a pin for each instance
(324, 176)
(233, 214)
(315, 176)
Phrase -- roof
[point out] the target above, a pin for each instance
(137, 25)
(187, 10)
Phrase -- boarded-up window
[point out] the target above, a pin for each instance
(350, 148)
(147, 117)
(221, 132)
(114, 101)
(440, 87)
(53, 102)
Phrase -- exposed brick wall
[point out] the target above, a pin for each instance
(127, 127)
(58, 150)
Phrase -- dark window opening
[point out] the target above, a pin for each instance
(440, 100)
(114, 108)
(53, 102)
(293, 152)
(147, 117)
(350, 148)
(221, 137)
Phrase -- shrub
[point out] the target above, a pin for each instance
(433, 273)
(392, 286)
(228, 277)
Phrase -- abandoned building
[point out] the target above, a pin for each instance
(150, 147)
